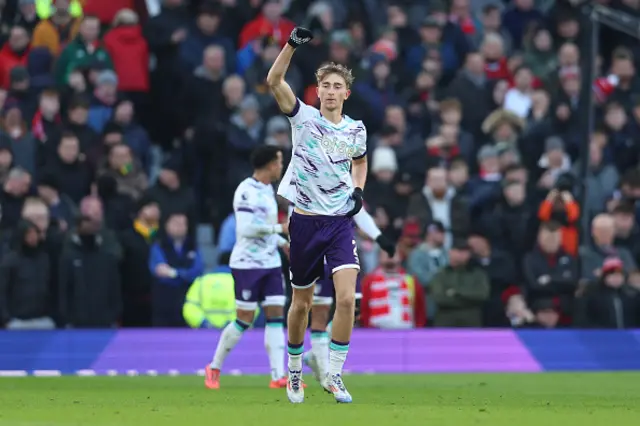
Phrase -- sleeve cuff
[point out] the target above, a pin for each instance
(296, 109)
(360, 156)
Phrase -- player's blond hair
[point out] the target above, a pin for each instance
(332, 68)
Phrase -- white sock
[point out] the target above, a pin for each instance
(329, 328)
(320, 349)
(295, 356)
(228, 340)
(337, 357)
(274, 343)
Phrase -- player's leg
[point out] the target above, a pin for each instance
(306, 259)
(342, 258)
(273, 305)
(318, 357)
(246, 305)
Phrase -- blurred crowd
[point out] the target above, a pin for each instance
(126, 126)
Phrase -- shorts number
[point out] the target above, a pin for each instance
(355, 252)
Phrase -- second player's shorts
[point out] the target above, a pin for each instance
(324, 291)
(316, 241)
(253, 286)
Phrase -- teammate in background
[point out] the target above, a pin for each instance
(256, 266)
(329, 170)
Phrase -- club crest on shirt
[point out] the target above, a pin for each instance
(246, 294)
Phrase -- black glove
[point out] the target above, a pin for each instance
(357, 197)
(300, 36)
(386, 245)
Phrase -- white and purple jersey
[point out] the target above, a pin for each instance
(257, 239)
(318, 179)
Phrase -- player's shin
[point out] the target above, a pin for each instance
(343, 319)
(297, 324)
(274, 343)
(228, 340)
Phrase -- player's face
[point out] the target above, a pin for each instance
(332, 92)
(276, 168)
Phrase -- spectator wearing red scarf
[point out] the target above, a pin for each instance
(45, 125)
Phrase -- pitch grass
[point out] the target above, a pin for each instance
(597, 399)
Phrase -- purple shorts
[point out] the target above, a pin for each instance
(319, 242)
(253, 286)
(324, 292)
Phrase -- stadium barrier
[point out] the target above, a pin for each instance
(181, 352)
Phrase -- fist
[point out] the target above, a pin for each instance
(300, 36)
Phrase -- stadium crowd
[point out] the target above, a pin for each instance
(126, 126)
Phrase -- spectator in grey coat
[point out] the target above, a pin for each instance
(593, 256)
(602, 180)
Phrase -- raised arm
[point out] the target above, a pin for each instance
(281, 90)
(285, 97)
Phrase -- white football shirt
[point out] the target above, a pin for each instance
(320, 168)
(257, 240)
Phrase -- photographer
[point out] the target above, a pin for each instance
(560, 206)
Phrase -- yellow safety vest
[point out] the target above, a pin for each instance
(212, 298)
(45, 8)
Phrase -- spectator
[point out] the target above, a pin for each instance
(540, 55)
(500, 268)
(491, 23)
(485, 188)
(175, 262)
(391, 298)
(549, 271)
(427, 259)
(73, 173)
(561, 207)
(612, 302)
(14, 132)
(105, 97)
(269, 23)
(135, 136)
(27, 15)
(85, 49)
(77, 124)
(460, 289)
(203, 89)
(245, 133)
(518, 99)
(46, 124)
(61, 207)
(205, 33)
(55, 32)
(602, 180)
(13, 53)
(118, 207)
(127, 171)
(90, 289)
(627, 230)
(12, 197)
(25, 283)
(592, 256)
(129, 51)
(496, 65)
(518, 17)
(470, 88)
(136, 277)
(438, 201)
(171, 194)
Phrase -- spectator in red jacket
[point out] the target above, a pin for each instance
(129, 51)
(14, 53)
(391, 298)
(269, 23)
(106, 11)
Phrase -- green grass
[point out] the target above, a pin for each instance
(597, 399)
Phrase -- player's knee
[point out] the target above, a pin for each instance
(245, 316)
(300, 304)
(345, 302)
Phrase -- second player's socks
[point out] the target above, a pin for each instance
(295, 351)
(274, 343)
(228, 340)
(329, 328)
(337, 356)
(320, 349)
